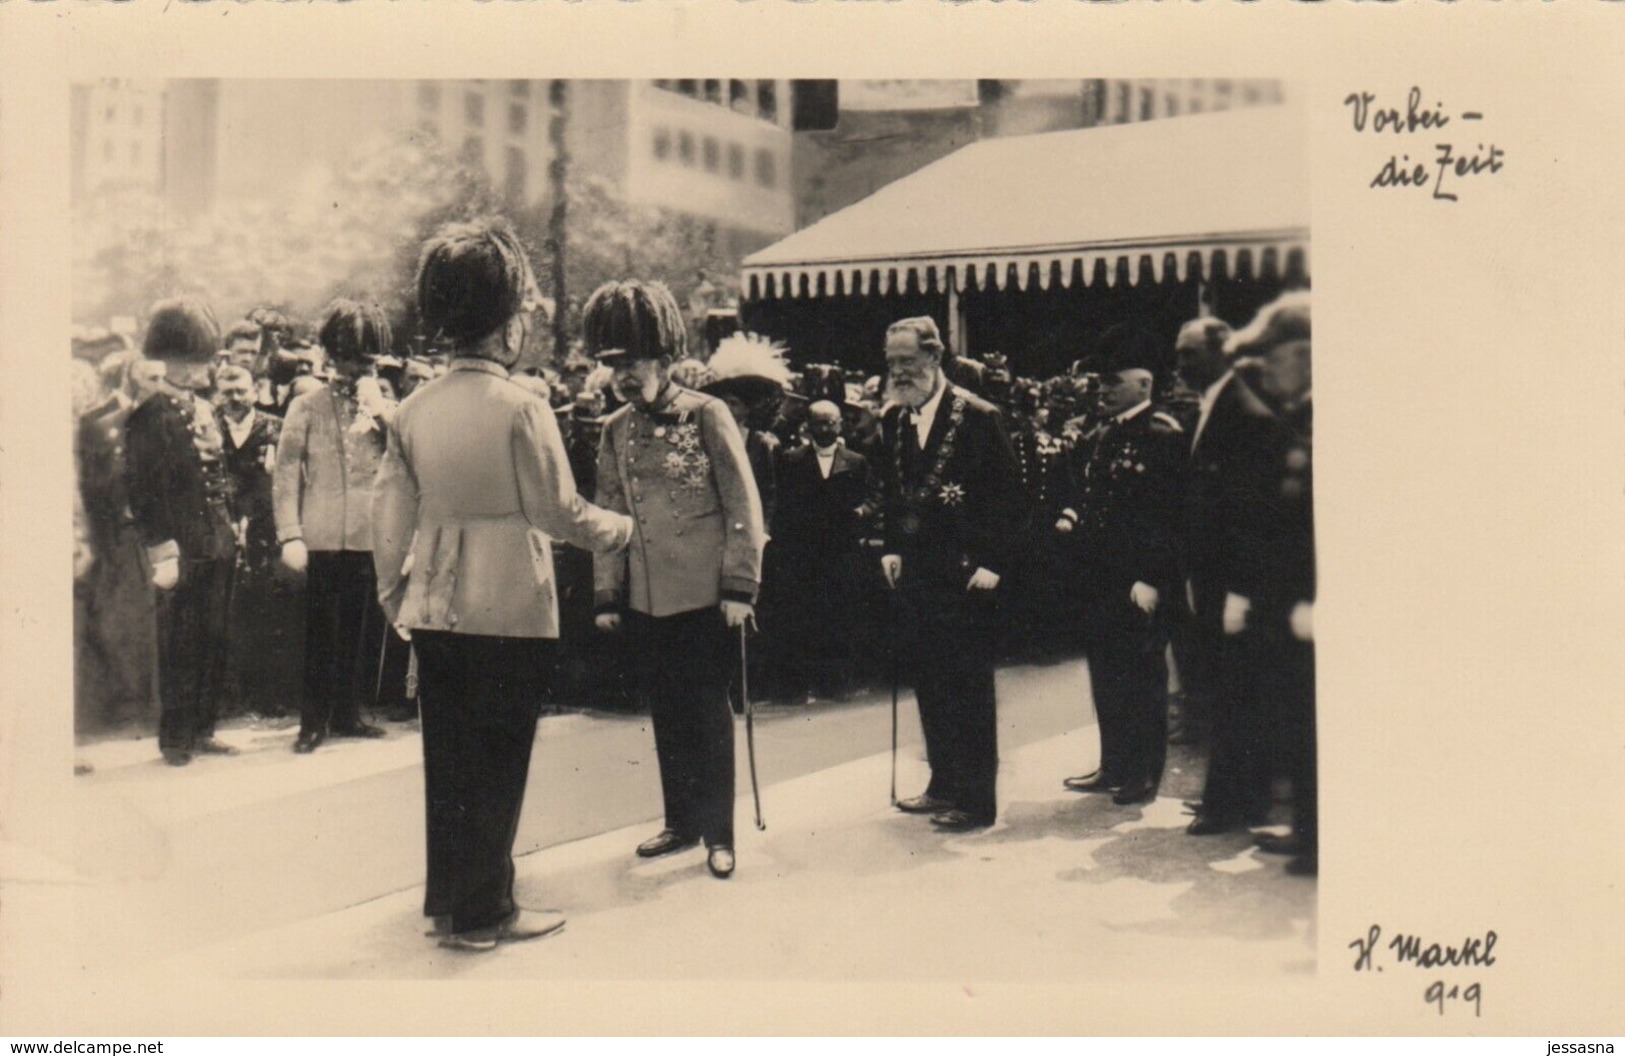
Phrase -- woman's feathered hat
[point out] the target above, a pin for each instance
(749, 365)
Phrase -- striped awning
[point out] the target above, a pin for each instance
(1217, 195)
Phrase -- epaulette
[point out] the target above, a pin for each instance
(1169, 423)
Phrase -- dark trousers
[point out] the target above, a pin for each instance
(1289, 687)
(684, 663)
(1239, 773)
(344, 640)
(192, 652)
(480, 697)
(950, 638)
(1128, 677)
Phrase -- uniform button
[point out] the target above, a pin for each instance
(637, 498)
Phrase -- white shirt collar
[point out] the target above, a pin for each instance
(927, 414)
(240, 431)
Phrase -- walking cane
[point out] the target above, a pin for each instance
(896, 679)
(750, 725)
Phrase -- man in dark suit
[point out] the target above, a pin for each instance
(1281, 624)
(827, 493)
(249, 438)
(955, 510)
(1237, 443)
(179, 496)
(1120, 512)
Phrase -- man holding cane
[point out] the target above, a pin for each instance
(955, 508)
(676, 462)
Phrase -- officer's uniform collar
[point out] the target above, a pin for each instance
(474, 363)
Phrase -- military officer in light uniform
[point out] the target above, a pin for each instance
(676, 461)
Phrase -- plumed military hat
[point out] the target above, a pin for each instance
(748, 365)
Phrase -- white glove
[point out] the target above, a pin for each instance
(891, 566)
(1303, 621)
(295, 556)
(1236, 608)
(739, 614)
(1144, 596)
(608, 622)
(982, 579)
(1063, 525)
(1190, 596)
(166, 573)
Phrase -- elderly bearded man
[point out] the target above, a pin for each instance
(955, 510)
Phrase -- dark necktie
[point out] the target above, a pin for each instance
(908, 437)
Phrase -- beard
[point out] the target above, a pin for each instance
(909, 391)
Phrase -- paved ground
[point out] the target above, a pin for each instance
(269, 865)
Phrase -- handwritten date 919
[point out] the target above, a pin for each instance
(1439, 994)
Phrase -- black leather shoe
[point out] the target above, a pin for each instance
(361, 729)
(957, 820)
(1210, 825)
(1095, 782)
(211, 746)
(309, 742)
(177, 756)
(668, 842)
(1270, 843)
(1138, 792)
(720, 860)
(924, 804)
(1304, 865)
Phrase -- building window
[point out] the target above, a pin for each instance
(518, 118)
(1249, 94)
(1173, 106)
(429, 96)
(666, 86)
(520, 88)
(713, 91)
(688, 88)
(712, 151)
(767, 173)
(1148, 104)
(662, 144)
(739, 97)
(767, 101)
(685, 148)
(1196, 104)
(1125, 103)
(474, 109)
(736, 161)
(514, 183)
(473, 150)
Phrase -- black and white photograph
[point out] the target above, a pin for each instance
(504, 541)
(511, 503)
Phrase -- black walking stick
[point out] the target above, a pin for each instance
(896, 680)
(750, 725)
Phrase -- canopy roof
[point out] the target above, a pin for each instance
(1136, 202)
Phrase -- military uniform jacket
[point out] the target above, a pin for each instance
(102, 484)
(682, 472)
(964, 508)
(325, 464)
(474, 486)
(179, 498)
(1122, 484)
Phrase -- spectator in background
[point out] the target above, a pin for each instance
(828, 494)
(329, 452)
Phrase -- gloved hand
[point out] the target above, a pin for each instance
(739, 614)
(1236, 608)
(1303, 621)
(166, 573)
(295, 556)
(891, 566)
(608, 622)
(1144, 596)
(982, 579)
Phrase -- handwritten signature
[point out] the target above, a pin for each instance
(1410, 950)
(1450, 164)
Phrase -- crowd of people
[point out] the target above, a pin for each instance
(267, 516)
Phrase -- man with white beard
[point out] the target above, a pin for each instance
(955, 510)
